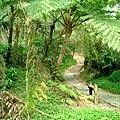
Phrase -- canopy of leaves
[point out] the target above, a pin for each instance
(103, 16)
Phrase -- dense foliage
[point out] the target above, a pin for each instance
(106, 84)
(115, 76)
(99, 58)
(35, 37)
(55, 106)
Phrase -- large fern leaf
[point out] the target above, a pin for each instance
(39, 8)
(99, 15)
(105, 24)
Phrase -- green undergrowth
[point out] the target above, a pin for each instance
(55, 106)
(103, 82)
(67, 62)
(18, 86)
(106, 84)
(61, 113)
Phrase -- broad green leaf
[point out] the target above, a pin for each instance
(102, 28)
(118, 47)
(116, 44)
(41, 93)
(110, 42)
(35, 94)
(72, 94)
(63, 87)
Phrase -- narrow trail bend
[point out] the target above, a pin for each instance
(72, 77)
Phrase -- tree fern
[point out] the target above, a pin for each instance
(102, 21)
(93, 14)
(100, 13)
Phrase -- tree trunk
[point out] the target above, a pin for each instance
(54, 59)
(52, 27)
(62, 52)
(14, 58)
(68, 28)
(10, 33)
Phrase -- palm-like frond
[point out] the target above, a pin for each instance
(108, 33)
(39, 8)
(99, 15)
(105, 24)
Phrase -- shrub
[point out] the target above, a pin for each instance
(106, 84)
(115, 76)
(3, 49)
(11, 74)
(99, 57)
(69, 91)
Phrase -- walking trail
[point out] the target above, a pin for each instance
(72, 77)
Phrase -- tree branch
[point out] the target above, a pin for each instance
(62, 16)
(4, 17)
(57, 18)
(80, 23)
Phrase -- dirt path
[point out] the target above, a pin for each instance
(71, 77)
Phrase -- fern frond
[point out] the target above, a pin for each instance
(109, 33)
(40, 8)
(100, 15)
(104, 23)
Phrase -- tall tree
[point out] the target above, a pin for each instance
(10, 32)
(95, 13)
(9, 8)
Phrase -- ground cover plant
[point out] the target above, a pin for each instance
(106, 84)
(62, 113)
(103, 82)
(115, 76)
(35, 47)
(55, 106)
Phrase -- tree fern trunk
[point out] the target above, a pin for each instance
(68, 28)
(62, 52)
